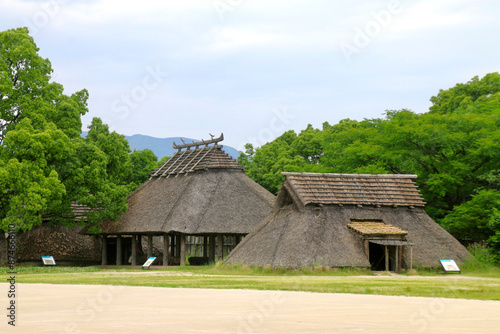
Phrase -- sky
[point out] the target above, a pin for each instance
(253, 69)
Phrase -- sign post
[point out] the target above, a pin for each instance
(450, 266)
(148, 263)
(48, 260)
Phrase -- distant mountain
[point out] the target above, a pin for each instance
(162, 147)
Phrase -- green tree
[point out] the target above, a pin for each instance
(271, 159)
(25, 90)
(246, 158)
(28, 184)
(143, 163)
(115, 147)
(45, 165)
(353, 147)
(462, 95)
(288, 153)
(308, 145)
(477, 219)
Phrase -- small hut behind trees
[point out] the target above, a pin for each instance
(344, 220)
(65, 243)
(200, 191)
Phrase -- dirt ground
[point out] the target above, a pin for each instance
(45, 308)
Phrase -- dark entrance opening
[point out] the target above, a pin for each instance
(126, 250)
(111, 251)
(377, 257)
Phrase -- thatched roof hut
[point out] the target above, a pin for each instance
(339, 220)
(66, 244)
(199, 191)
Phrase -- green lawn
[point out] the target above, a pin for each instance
(476, 284)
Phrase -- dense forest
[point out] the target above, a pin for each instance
(46, 165)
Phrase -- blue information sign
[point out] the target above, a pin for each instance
(148, 263)
(48, 260)
(450, 266)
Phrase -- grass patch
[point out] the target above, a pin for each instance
(425, 283)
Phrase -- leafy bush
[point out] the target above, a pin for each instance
(483, 253)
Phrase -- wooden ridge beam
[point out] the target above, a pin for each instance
(199, 143)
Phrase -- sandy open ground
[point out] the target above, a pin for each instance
(45, 308)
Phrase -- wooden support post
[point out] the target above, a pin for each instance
(367, 249)
(411, 257)
(140, 249)
(219, 247)
(183, 249)
(205, 246)
(396, 259)
(134, 250)
(212, 249)
(400, 266)
(386, 258)
(177, 245)
(118, 250)
(165, 249)
(172, 245)
(150, 245)
(104, 250)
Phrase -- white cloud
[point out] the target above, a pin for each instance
(260, 55)
(425, 16)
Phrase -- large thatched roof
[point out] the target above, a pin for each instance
(200, 190)
(325, 219)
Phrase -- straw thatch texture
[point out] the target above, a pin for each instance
(371, 228)
(62, 242)
(214, 201)
(291, 239)
(305, 228)
(319, 235)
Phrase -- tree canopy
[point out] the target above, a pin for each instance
(45, 164)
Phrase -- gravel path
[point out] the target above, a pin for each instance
(45, 308)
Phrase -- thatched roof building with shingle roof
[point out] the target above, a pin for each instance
(199, 191)
(339, 220)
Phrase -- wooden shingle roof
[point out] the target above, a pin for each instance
(368, 228)
(195, 158)
(80, 211)
(354, 189)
